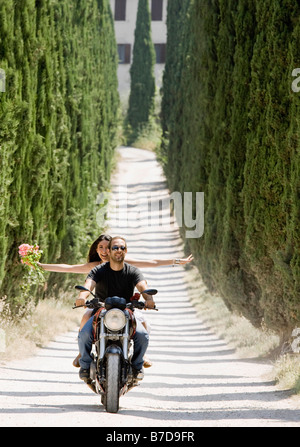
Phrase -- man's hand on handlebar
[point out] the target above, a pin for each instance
(149, 304)
(80, 302)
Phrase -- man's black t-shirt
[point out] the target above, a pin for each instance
(115, 283)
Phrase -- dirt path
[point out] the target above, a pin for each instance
(196, 379)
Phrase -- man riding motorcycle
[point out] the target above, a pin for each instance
(115, 278)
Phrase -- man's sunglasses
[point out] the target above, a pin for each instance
(117, 247)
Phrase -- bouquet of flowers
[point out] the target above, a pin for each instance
(30, 255)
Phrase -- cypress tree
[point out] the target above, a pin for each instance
(57, 130)
(269, 202)
(142, 86)
(232, 131)
(219, 142)
(238, 282)
(175, 52)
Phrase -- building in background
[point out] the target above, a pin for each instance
(124, 14)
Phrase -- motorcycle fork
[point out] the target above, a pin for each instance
(125, 346)
(101, 349)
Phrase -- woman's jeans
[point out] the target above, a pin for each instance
(86, 338)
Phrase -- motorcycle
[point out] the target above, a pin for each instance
(111, 373)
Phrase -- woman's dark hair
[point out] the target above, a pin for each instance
(93, 255)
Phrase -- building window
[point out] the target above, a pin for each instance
(160, 51)
(157, 10)
(124, 51)
(120, 9)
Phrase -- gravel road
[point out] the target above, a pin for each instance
(196, 379)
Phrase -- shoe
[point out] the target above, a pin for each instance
(138, 374)
(84, 374)
(147, 362)
(76, 361)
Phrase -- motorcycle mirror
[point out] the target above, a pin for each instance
(150, 291)
(84, 289)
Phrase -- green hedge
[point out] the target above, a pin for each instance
(57, 127)
(232, 131)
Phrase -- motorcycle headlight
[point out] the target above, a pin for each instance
(114, 319)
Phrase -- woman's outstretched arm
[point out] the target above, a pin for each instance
(159, 262)
(66, 268)
(87, 267)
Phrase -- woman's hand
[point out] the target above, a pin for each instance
(183, 261)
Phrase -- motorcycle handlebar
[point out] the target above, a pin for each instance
(91, 304)
(141, 305)
(96, 304)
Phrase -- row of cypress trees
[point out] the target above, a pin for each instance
(231, 129)
(57, 128)
(142, 80)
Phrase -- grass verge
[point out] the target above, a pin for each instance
(50, 318)
(238, 332)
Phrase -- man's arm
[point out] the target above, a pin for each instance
(89, 284)
(149, 302)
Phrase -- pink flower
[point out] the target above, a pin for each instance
(30, 255)
(24, 248)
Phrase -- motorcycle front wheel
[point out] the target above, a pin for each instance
(113, 366)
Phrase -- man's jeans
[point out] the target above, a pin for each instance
(85, 341)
